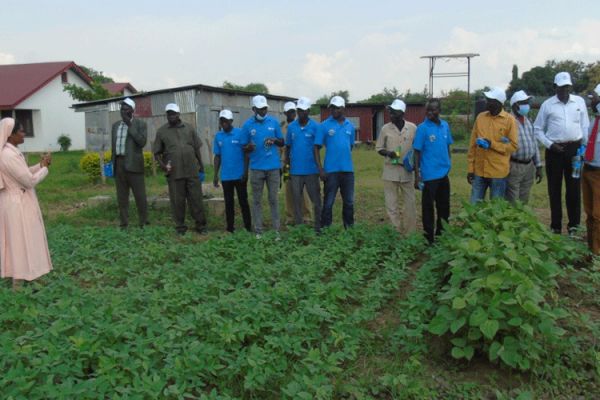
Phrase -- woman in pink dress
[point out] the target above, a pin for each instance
(24, 251)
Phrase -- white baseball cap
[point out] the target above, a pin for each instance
(259, 101)
(496, 93)
(289, 106)
(303, 103)
(337, 101)
(226, 114)
(172, 107)
(519, 96)
(398, 105)
(596, 90)
(562, 79)
(129, 102)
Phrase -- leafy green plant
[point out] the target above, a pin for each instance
(499, 267)
(90, 164)
(65, 142)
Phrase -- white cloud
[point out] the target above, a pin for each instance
(118, 78)
(6, 58)
(524, 47)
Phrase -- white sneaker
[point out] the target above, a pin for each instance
(277, 237)
(258, 236)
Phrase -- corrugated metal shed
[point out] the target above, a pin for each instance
(200, 106)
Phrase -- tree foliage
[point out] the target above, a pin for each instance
(539, 80)
(96, 92)
(255, 87)
(387, 95)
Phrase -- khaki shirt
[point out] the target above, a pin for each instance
(390, 138)
(181, 146)
(495, 161)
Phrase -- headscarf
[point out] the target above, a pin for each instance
(6, 127)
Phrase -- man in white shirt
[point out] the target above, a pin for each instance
(562, 127)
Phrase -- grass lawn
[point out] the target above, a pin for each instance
(147, 314)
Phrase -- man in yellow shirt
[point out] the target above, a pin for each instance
(493, 139)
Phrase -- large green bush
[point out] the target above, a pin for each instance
(90, 164)
(499, 267)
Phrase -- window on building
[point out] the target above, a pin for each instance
(6, 114)
(26, 118)
(64, 78)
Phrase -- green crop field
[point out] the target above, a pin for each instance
(499, 308)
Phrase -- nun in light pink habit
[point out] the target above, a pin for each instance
(23, 246)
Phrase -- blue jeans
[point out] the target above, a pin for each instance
(344, 181)
(480, 185)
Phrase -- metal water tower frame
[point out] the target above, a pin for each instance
(467, 73)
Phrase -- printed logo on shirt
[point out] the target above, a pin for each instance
(432, 138)
(271, 128)
(220, 143)
(348, 133)
(253, 132)
(331, 132)
(235, 141)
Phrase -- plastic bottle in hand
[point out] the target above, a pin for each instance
(576, 164)
(286, 172)
(398, 151)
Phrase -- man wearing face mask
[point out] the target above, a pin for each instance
(590, 178)
(128, 138)
(562, 127)
(525, 162)
(493, 139)
(261, 133)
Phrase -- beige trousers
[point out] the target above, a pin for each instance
(408, 224)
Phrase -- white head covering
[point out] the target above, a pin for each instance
(6, 127)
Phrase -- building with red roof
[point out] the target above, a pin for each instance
(33, 94)
(120, 88)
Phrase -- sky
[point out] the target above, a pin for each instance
(307, 48)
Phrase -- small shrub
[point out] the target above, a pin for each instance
(90, 164)
(65, 142)
(498, 268)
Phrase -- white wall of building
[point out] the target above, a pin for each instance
(52, 116)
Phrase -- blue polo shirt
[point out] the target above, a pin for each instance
(338, 140)
(301, 140)
(262, 158)
(432, 140)
(229, 145)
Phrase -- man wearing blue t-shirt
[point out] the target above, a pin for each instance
(336, 133)
(260, 133)
(304, 171)
(432, 165)
(233, 163)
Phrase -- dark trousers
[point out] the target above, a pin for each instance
(242, 193)
(558, 165)
(190, 190)
(344, 181)
(435, 192)
(124, 181)
(313, 188)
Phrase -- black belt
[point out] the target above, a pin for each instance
(521, 162)
(590, 167)
(569, 143)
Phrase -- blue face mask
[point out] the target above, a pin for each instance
(524, 109)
